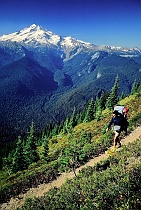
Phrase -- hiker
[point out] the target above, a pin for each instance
(123, 111)
(117, 121)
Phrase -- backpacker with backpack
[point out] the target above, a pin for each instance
(122, 110)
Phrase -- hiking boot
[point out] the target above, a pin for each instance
(119, 144)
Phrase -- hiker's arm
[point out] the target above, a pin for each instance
(109, 124)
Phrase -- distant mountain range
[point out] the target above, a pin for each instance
(43, 76)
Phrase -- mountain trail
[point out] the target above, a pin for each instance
(14, 203)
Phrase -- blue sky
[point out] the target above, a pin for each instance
(101, 22)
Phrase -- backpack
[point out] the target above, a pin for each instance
(121, 109)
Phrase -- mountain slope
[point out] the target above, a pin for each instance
(29, 73)
(15, 203)
(24, 85)
(13, 52)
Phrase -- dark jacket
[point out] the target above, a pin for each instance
(115, 121)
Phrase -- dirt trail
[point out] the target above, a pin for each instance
(14, 203)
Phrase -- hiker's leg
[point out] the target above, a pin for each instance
(116, 138)
(125, 130)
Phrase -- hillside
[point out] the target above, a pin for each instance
(25, 85)
(89, 152)
(15, 203)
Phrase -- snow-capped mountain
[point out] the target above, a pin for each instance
(32, 35)
(36, 37)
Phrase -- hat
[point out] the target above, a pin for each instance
(115, 112)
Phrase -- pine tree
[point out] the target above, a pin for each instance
(72, 121)
(113, 97)
(67, 128)
(45, 149)
(136, 87)
(122, 96)
(90, 111)
(79, 118)
(98, 109)
(30, 149)
(54, 131)
(103, 99)
(7, 164)
(48, 129)
(19, 158)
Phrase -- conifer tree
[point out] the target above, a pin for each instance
(136, 87)
(122, 96)
(90, 111)
(54, 131)
(19, 158)
(7, 163)
(45, 149)
(113, 96)
(98, 109)
(102, 100)
(72, 121)
(48, 129)
(30, 149)
(79, 118)
(66, 128)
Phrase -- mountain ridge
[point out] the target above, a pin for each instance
(37, 35)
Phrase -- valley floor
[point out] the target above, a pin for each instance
(14, 203)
